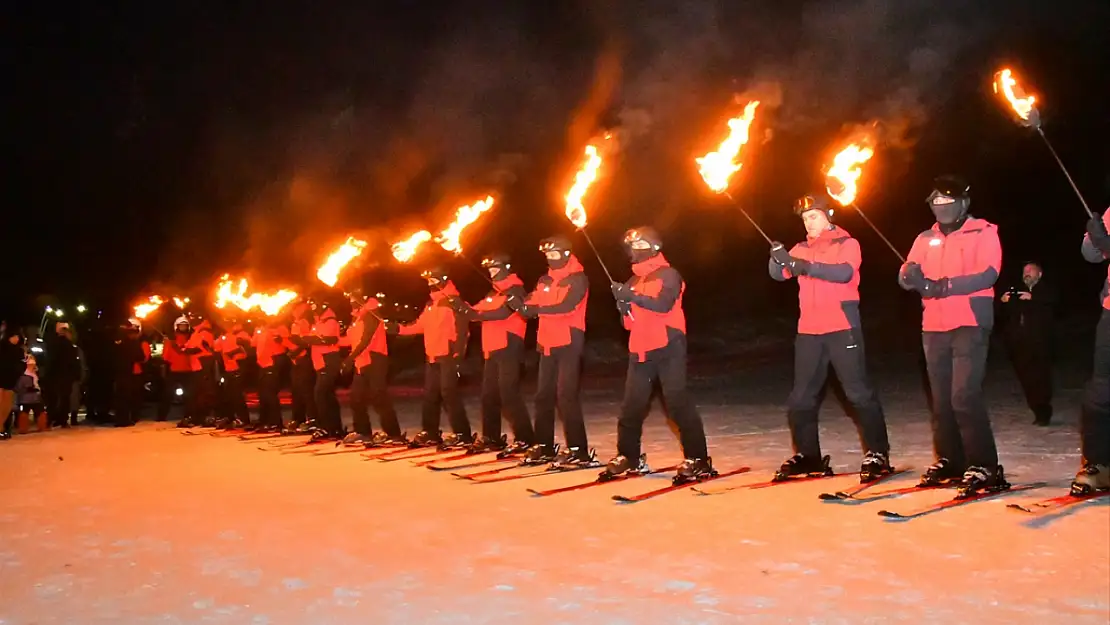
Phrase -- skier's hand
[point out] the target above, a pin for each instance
(934, 289)
(913, 276)
(1025, 295)
(621, 292)
(457, 304)
(391, 328)
(1097, 229)
(779, 254)
(799, 266)
(624, 308)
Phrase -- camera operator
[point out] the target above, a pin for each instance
(1029, 315)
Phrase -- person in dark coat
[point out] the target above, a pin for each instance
(1029, 310)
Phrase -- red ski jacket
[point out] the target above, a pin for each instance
(495, 332)
(656, 306)
(445, 331)
(828, 295)
(561, 308)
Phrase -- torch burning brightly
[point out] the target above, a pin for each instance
(466, 215)
(716, 168)
(1006, 84)
(585, 177)
(846, 172)
(181, 302)
(270, 304)
(328, 273)
(151, 305)
(403, 251)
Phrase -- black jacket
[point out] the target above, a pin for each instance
(12, 365)
(1033, 315)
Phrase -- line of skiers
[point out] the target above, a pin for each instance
(953, 267)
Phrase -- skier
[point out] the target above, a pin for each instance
(954, 266)
(1094, 422)
(445, 336)
(503, 347)
(132, 352)
(269, 344)
(370, 359)
(559, 300)
(326, 360)
(303, 375)
(650, 305)
(826, 265)
(203, 383)
(232, 348)
(177, 370)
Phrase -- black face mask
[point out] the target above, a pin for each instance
(639, 256)
(558, 263)
(951, 214)
(501, 273)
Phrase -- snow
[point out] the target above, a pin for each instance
(147, 526)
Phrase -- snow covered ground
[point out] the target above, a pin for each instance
(147, 526)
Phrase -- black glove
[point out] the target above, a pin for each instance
(392, 328)
(458, 305)
(624, 308)
(799, 266)
(913, 276)
(932, 289)
(527, 310)
(1097, 231)
(779, 254)
(514, 302)
(622, 292)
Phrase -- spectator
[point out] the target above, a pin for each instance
(11, 368)
(28, 394)
(62, 371)
(1029, 311)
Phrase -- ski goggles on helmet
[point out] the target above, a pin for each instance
(635, 240)
(434, 277)
(948, 189)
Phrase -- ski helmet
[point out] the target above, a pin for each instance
(950, 199)
(498, 265)
(642, 243)
(813, 202)
(182, 325)
(557, 249)
(436, 277)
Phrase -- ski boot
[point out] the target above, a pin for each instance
(208, 422)
(539, 454)
(320, 434)
(1091, 478)
(454, 440)
(620, 465)
(874, 466)
(940, 474)
(187, 422)
(516, 449)
(238, 424)
(574, 458)
(426, 439)
(979, 480)
(694, 470)
(267, 429)
(354, 439)
(381, 439)
(223, 424)
(485, 445)
(803, 465)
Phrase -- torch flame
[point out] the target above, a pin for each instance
(1006, 84)
(585, 177)
(403, 251)
(269, 303)
(181, 302)
(716, 168)
(152, 303)
(328, 273)
(464, 216)
(846, 171)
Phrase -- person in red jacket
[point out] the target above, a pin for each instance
(445, 336)
(132, 353)
(559, 300)
(1094, 421)
(179, 367)
(370, 359)
(269, 344)
(826, 266)
(954, 266)
(326, 360)
(650, 305)
(503, 346)
(201, 347)
(232, 348)
(303, 375)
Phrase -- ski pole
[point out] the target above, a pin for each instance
(879, 232)
(749, 218)
(1067, 175)
(603, 267)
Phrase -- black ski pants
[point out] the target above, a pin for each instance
(128, 395)
(813, 353)
(501, 393)
(557, 387)
(327, 404)
(58, 400)
(205, 391)
(441, 392)
(303, 383)
(269, 404)
(370, 388)
(1032, 358)
(235, 402)
(956, 361)
(173, 381)
(1094, 422)
(668, 367)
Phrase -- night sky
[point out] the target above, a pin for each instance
(156, 145)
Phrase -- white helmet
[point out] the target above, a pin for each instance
(135, 323)
(182, 321)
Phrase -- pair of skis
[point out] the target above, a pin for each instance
(630, 476)
(1056, 504)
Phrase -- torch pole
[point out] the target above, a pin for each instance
(749, 218)
(879, 232)
(597, 254)
(1066, 174)
(476, 270)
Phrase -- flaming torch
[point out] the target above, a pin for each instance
(180, 302)
(583, 179)
(1026, 114)
(269, 303)
(328, 273)
(842, 183)
(403, 251)
(464, 216)
(716, 168)
(143, 310)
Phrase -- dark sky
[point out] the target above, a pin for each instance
(155, 145)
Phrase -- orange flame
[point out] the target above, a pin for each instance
(846, 171)
(1007, 85)
(269, 303)
(585, 177)
(716, 168)
(464, 216)
(328, 273)
(150, 305)
(180, 302)
(403, 251)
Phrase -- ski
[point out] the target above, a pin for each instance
(851, 493)
(335, 452)
(229, 432)
(952, 503)
(597, 482)
(478, 474)
(300, 448)
(423, 462)
(1046, 506)
(412, 454)
(767, 484)
(468, 465)
(548, 470)
(673, 487)
(260, 436)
